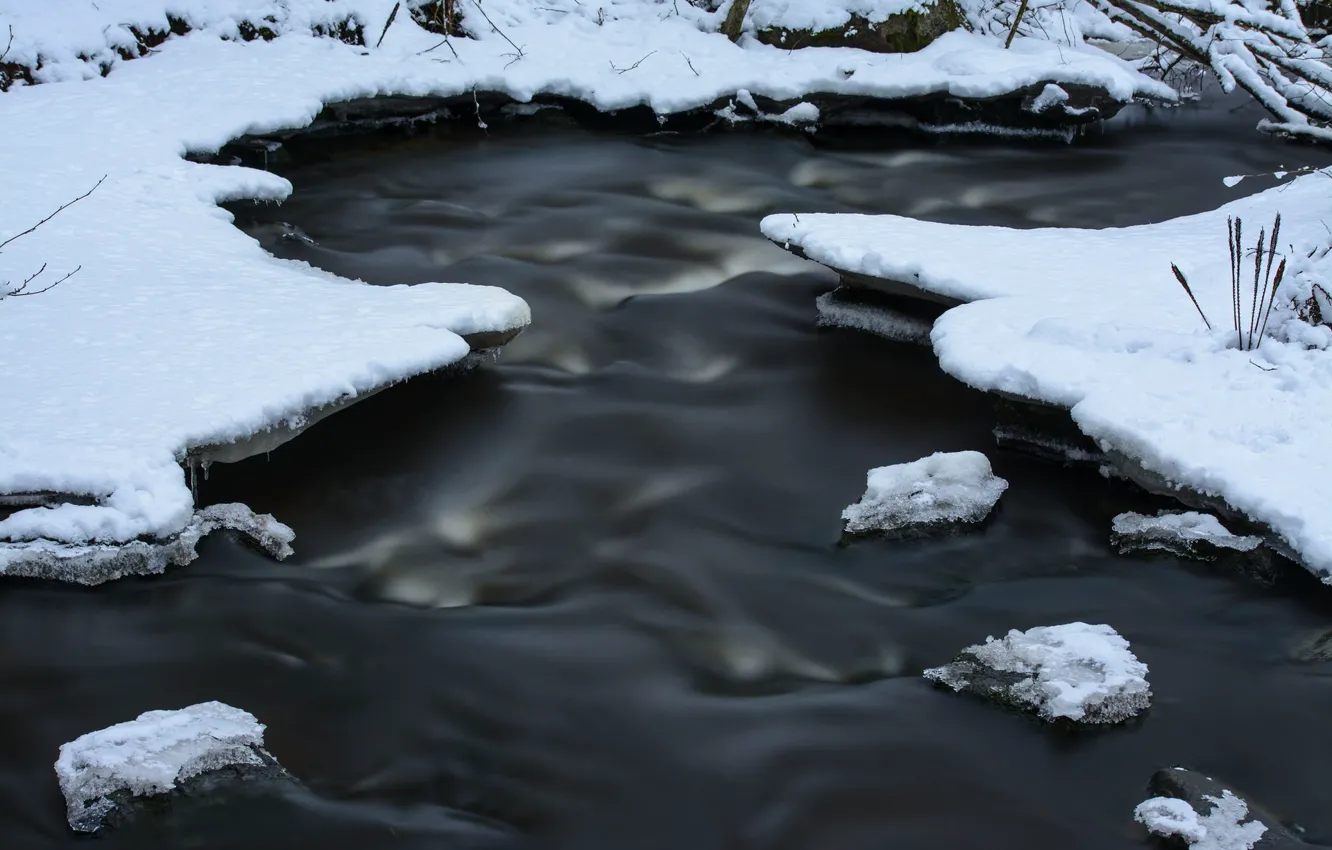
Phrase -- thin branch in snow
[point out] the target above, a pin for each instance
(631, 67)
(21, 290)
(690, 64)
(58, 211)
(477, 4)
(9, 45)
(387, 24)
(444, 43)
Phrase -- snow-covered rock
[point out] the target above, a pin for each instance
(1208, 815)
(98, 563)
(1078, 672)
(1223, 828)
(1188, 534)
(1093, 321)
(102, 773)
(930, 495)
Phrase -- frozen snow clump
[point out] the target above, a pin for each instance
(1078, 672)
(936, 493)
(1221, 829)
(1188, 534)
(101, 771)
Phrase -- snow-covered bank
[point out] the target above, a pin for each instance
(1094, 320)
(178, 331)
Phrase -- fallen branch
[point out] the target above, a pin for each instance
(392, 15)
(477, 4)
(633, 66)
(22, 289)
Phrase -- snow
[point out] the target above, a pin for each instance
(1166, 816)
(1094, 321)
(1173, 530)
(180, 331)
(150, 754)
(938, 491)
(1221, 829)
(819, 15)
(1079, 672)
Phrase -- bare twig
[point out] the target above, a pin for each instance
(20, 292)
(58, 211)
(9, 45)
(477, 4)
(387, 24)
(444, 43)
(631, 67)
(689, 63)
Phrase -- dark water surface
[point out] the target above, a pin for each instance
(592, 596)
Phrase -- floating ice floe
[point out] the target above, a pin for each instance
(1078, 672)
(933, 494)
(103, 772)
(97, 563)
(1188, 534)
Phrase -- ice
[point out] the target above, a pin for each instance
(1094, 321)
(933, 493)
(98, 563)
(1186, 533)
(837, 312)
(1078, 672)
(1223, 828)
(150, 754)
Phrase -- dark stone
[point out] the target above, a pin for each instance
(1191, 786)
(905, 32)
(216, 786)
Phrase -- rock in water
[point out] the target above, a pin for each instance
(1076, 672)
(106, 775)
(931, 495)
(1207, 815)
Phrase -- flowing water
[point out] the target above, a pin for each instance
(593, 595)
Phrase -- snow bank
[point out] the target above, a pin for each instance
(1078, 672)
(150, 754)
(1093, 320)
(179, 331)
(1221, 829)
(931, 494)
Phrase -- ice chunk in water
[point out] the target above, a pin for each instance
(1221, 829)
(1186, 533)
(1079, 672)
(150, 754)
(930, 494)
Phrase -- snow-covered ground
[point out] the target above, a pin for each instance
(1094, 320)
(179, 331)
